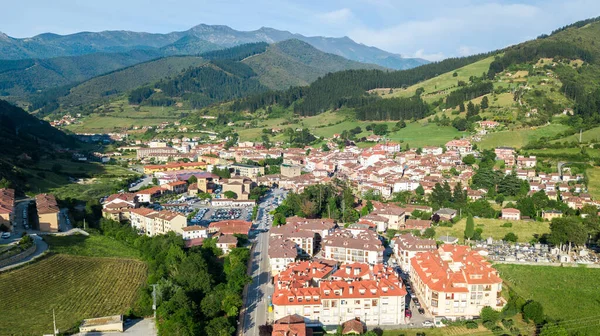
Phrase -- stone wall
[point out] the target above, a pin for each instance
(16, 258)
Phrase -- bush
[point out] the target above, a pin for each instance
(507, 224)
(489, 324)
(472, 325)
(489, 314)
(510, 237)
(507, 323)
(497, 330)
(533, 311)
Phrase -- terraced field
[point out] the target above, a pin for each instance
(75, 287)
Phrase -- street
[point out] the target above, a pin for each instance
(259, 291)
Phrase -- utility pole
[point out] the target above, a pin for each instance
(580, 130)
(154, 299)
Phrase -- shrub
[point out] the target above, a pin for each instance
(534, 311)
(489, 314)
(510, 237)
(497, 330)
(507, 323)
(489, 324)
(507, 224)
(471, 325)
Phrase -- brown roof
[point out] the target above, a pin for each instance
(353, 326)
(279, 247)
(46, 203)
(7, 200)
(231, 226)
(365, 240)
(227, 239)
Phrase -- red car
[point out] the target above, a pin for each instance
(408, 313)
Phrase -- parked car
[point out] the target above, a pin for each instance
(421, 311)
(427, 324)
(5, 235)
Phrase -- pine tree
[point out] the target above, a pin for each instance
(469, 228)
(461, 107)
(485, 103)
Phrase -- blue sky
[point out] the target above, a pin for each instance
(432, 29)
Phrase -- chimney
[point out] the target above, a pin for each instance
(348, 269)
(314, 270)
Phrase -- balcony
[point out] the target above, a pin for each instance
(500, 302)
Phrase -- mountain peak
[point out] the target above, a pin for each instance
(4, 37)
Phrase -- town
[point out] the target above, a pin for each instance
(380, 263)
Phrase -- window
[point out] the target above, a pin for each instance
(325, 303)
(334, 303)
(357, 302)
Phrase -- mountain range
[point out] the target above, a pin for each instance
(196, 40)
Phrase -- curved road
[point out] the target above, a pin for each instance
(41, 247)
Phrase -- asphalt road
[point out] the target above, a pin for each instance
(145, 181)
(259, 291)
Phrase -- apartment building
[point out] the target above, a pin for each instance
(241, 186)
(248, 171)
(7, 207)
(396, 215)
(463, 147)
(282, 252)
(48, 212)
(376, 297)
(233, 226)
(455, 282)
(291, 170)
(343, 246)
(406, 247)
(153, 223)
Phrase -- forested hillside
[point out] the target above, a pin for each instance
(578, 43)
(297, 63)
(25, 139)
(23, 77)
(123, 80)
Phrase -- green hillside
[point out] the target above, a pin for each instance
(123, 80)
(297, 63)
(23, 77)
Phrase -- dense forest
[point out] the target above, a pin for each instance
(236, 53)
(393, 109)
(459, 96)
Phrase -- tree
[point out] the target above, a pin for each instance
(380, 129)
(510, 237)
(551, 329)
(192, 179)
(468, 159)
(469, 228)
(499, 199)
(533, 311)
(325, 148)
(219, 326)
(567, 230)
(471, 111)
(485, 103)
(266, 141)
(489, 314)
(57, 168)
(429, 233)
(230, 194)
(154, 181)
(461, 107)
(420, 191)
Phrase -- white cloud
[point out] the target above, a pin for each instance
(337, 16)
(446, 31)
(430, 57)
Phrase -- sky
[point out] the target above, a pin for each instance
(430, 29)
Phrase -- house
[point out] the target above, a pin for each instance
(230, 227)
(226, 243)
(117, 206)
(7, 207)
(463, 147)
(446, 214)
(511, 214)
(291, 325)
(194, 231)
(551, 214)
(288, 170)
(406, 246)
(48, 212)
(455, 282)
(396, 215)
(417, 224)
(177, 187)
(353, 327)
(150, 194)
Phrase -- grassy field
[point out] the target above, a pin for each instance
(492, 228)
(566, 293)
(520, 137)
(594, 182)
(104, 179)
(444, 82)
(586, 136)
(75, 287)
(90, 246)
(419, 135)
(119, 115)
